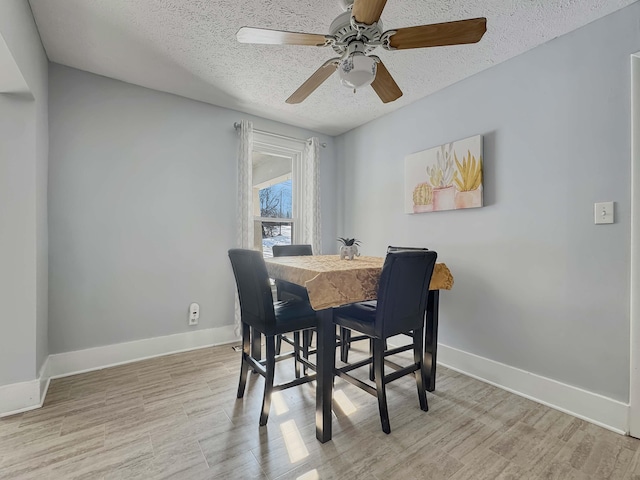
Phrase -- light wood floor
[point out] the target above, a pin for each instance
(177, 417)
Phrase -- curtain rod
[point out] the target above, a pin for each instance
(236, 125)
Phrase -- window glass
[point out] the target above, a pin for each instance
(276, 203)
(273, 201)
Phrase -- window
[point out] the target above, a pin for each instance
(276, 165)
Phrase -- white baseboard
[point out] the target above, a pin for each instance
(24, 396)
(79, 361)
(592, 407)
(21, 397)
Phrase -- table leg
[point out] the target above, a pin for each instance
(326, 359)
(431, 339)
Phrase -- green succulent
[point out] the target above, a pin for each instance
(348, 242)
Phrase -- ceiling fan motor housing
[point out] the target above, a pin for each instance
(345, 31)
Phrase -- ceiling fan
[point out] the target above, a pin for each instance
(354, 35)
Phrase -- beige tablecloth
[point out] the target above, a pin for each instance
(332, 282)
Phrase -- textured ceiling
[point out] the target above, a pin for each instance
(188, 47)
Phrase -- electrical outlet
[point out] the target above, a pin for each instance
(194, 313)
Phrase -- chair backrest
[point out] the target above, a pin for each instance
(403, 291)
(286, 290)
(292, 250)
(254, 289)
(406, 249)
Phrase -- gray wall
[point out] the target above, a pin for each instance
(23, 203)
(538, 286)
(142, 210)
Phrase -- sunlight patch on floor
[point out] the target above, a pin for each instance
(343, 402)
(293, 441)
(278, 403)
(310, 475)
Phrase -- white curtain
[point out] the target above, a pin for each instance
(245, 197)
(310, 201)
(245, 186)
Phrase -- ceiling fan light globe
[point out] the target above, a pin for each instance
(357, 71)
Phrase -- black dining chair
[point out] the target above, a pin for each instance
(406, 249)
(345, 334)
(261, 316)
(400, 308)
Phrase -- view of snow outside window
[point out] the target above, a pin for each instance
(275, 202)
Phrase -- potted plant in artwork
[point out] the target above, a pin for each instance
(349, 248)
(422, 198)
(468, 180)
(441, 179)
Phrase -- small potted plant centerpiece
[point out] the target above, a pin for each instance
(349, 248)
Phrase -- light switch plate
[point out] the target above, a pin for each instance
(603, 212)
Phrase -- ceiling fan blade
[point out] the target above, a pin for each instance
(439, 34)
(385, 86)
(279, 37)
(368, 11)
(314, 81)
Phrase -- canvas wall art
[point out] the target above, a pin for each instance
(448, 177)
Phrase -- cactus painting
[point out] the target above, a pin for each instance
(448, 177)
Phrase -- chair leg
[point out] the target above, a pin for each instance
(421, 373)
(345, 343)
(268, 380)
(244, 367)
(306, 343)
(296, 352)
(378, 361)
(278, 344)
(256, 345)
(372, 373)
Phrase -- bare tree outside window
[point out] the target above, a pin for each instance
(275, 202)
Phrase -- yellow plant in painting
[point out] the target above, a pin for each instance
(422, 194)
(469, 175)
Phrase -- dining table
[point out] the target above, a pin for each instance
(332, 282)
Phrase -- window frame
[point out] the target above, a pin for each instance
(278, 146)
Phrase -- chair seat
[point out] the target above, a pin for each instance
(292, 316)
(359, 316)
